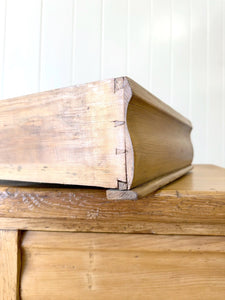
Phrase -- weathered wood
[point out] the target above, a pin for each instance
(119, 266)
(9, 265)
(68, 225)
(111, 133)
(160, 137)
(193, 204)
(146, 188)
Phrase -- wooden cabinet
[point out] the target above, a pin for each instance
(75, 244)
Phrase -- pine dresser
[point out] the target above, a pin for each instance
(73, 243)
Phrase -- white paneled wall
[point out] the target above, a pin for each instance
(174, 48)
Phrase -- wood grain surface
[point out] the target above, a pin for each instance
(9, 264)
(110, 133)
(68, 135)
(160, 136)
(193, 204)
(121, 266)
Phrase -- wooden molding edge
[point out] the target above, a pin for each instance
(147, 188)
(156, 102)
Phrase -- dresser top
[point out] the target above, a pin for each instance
(193, 204)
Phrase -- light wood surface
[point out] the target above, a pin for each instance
(68, 135)
(120, 266)
(9, 265)
(146, 188)
(160, 136)
(111, 133)
(193, 204)
(103, 263)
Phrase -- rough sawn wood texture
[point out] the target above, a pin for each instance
(111, 133)
(75, 244)
(193, 204)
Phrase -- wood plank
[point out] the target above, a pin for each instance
(70, 141)
(68, 225)
(102, 266)
(111, 133)
(194, 204)
(9, 264)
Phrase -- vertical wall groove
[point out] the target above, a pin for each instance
(3, 51)
(223, 77)
(101, 40)
(73, 42)
(171, 52)
(150, 46)
(128, 37)
(40, 44)
(190, 61)
(207, 77)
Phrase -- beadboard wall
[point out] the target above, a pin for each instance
(174, 48)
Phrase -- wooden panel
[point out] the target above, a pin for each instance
(56, 44)
(73, 140)
(21, 64)
(9, 264)
(194, 204)
(114, 226)
(100, 266)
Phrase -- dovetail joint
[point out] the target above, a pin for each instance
(122, 185)
(120, 151)
(118, 123)
(118, 84)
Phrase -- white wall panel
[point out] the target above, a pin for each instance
(160, 62)
(21, 47)
(2, 42)
(139, 34)
(198, 78)
(214, 148)
(174, 48)
(114, 43)
(223, 93)
(56, 44)
(87, 41)
(180, 56)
